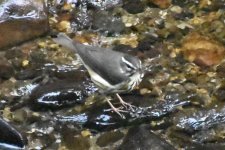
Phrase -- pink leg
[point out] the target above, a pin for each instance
(116, 110)
(125, 104)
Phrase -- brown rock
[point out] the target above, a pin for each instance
(161, 3)
(202, 50)
(21, 20)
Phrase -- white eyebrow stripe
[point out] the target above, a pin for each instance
(127, 62)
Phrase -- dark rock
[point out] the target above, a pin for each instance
(134, 6)
(21, 20)
(10, 138)
(143, 139)
(27, 74)
(123, 48)
(14, 53)
(104, 21)
(220, 69)
(60, 94)
(6, 69)
(220, 93)
(185, 14)
(99, 117)
(201, 120)
(149, 44)
(109, 138)
(38, 56)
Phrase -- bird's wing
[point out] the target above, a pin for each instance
(102, 61)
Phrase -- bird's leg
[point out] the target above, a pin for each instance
(116, 110)
(125, 104)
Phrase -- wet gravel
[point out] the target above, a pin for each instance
(48, 101)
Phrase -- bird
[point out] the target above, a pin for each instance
(111, 71)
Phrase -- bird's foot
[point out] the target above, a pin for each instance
(117, 110)
(126, 105)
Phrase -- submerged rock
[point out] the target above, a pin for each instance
(10, 138)
(104, 21)
(21, 20)
(142, 138)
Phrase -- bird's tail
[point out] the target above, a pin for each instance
(65, 41)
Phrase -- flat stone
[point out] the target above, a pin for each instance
(21, 20)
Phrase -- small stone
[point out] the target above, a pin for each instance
(64, 26)
(144, 91)
(20, 115)
(176, 9)
(161, 3)
(134, 6)
(25, 63)
(86, 133)
(42, 45)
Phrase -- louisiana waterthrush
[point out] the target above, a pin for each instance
(112, 71)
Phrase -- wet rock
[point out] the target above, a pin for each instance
(201, 120)
(134, 6)
(109, 138)
(104, 21)
(142, 138)
(100, 117)
(28, 74)
(60, 94)
(6, 69)
(10, 138)
(106, 4)
(202, 50)
(83, 17)
(21, 20)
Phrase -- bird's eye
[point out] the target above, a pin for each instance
(129, 66)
